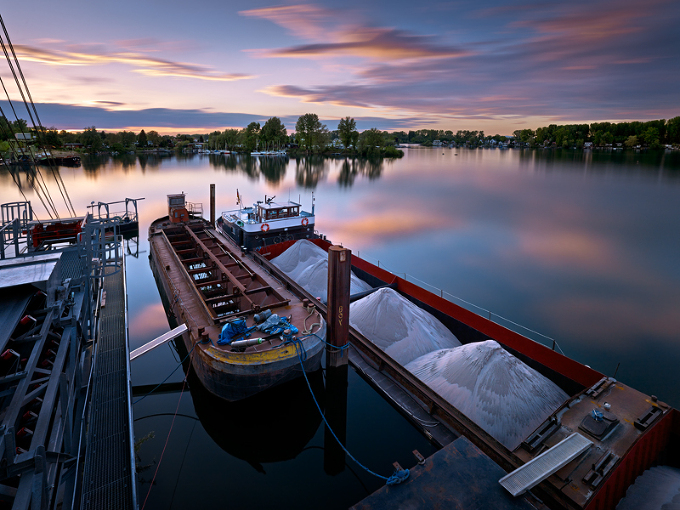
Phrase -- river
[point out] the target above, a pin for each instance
(580, 247)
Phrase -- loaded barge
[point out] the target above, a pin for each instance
(584, 455)
(246, 331)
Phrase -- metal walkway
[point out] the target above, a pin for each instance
(109, 478)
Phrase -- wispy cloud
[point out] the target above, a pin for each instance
(140, 63)
(306, 21)
(337, 33)
(378, 44)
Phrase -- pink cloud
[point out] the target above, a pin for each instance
(141, 63)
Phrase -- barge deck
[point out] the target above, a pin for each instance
(208, 284)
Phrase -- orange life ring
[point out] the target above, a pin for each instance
(305, 221)
(264, 227)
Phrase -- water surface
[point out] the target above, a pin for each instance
(579, 246)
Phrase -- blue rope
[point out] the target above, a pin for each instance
(340, 348)
(396, 478)
(168, 377)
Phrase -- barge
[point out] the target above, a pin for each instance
(246, 331)
(603, 436)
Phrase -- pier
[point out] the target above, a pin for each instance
(65, 437)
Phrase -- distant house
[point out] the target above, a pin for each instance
(588, 145)
(24, 137)
(437, 143)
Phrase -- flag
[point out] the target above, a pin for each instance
(238, 197)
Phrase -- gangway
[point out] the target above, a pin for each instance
(539, 468)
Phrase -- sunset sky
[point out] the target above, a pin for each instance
(205, 65)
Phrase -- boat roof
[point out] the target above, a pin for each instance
(277, 205)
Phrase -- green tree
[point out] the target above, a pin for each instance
(251, 136)
(346, 127)
(153, 137)
(371, 142)
(673, 130)
(142, 140)
(273, 132)
(651, 137)
(310, 133)
(632, 141)
(90, 139)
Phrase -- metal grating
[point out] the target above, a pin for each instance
(70, 264)
(108, 480)
(539, 468)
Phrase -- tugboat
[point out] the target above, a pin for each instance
(246, 331)
(267, 222)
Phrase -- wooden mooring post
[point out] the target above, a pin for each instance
(212, 205)
(337, 355)
(339, 270)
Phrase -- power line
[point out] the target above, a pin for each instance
(39, 129)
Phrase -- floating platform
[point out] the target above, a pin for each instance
(457, 476)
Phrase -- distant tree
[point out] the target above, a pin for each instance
(273, 132)
(90, 139)
(51, 138)
(142, 139)
(311, 133)
(346, 127)
(651, 137)
(371, 142)
(632, 141)
(153, 137)
(232, 138)
(251, 136)
(673, 130)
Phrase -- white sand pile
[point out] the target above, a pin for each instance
(307, 265)
(492, 387)
(399, 327)
(657, 488)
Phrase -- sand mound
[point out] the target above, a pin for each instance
(399, 327)
(492, 387)
(307, 265)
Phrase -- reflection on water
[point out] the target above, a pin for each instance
(579, 245)
(309, 170)
(352, 168)
(273, 426)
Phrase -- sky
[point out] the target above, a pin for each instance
(190, 67)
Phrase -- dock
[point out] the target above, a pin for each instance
(66, 421)
(109, 477)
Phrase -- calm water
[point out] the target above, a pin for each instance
(581, 247)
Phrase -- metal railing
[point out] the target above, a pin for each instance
(481, 311)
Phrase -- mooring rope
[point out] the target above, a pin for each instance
(397, 477)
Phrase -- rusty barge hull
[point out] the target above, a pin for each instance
(204, 282)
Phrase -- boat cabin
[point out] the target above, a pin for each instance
(177, 210)
(273, 210)
(267, 222)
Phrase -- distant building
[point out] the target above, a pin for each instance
(24, 137)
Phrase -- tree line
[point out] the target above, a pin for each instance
(653, 134)
(313, 137)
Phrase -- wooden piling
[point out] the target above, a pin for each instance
(339, 270)
(212, 205)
